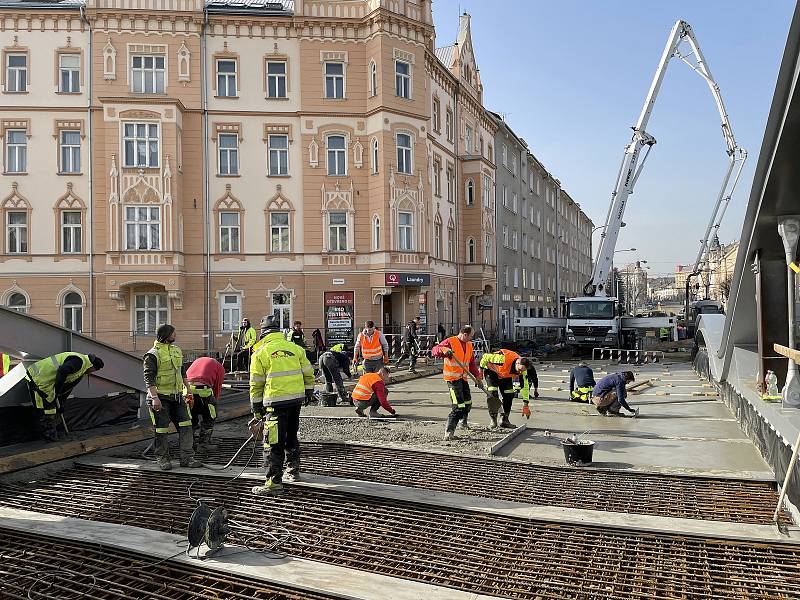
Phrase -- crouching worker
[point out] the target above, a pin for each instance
(333, 363)
(609, 394)
(500, 368)
(281, 376)
(205, 376)
(581, 383)
(370, 391)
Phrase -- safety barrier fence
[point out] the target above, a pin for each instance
(633, 357)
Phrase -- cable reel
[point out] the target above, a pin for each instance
(209, 527)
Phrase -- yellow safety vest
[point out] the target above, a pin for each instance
(169, 379)
(280, 372)
(43, 374)
(5, 364)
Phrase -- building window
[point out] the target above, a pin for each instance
(405, 232)
(16, 72)
(276, 79)
(150, 312)
(376, 232)
(470, 250)
(468, 140)
(337, 154)
(226, 78)
(69, 70)
(437, 178)
(228, 148)
(514, 202)
(279, 231)
(487, 190)
(524, 243)
(436, 115)
(337, 231)
(17, 232)
(402, 72)
(71, 231)
(524, 278)
(516, 277)
(73, 312)
(70, 151)
(505, 236)
(374, 156)
(505, 196)
(282, 309)
(448, 125)
(373, 78)
(506, 280)
(470, 193)
(141, 144)
(437, 240)
(514, 239)
(16, 151)
(142, 228)
(18, 302)
(334, 80)
(229, 232)
(147, 74)
(230, 312)
(404, 164)
(278, 154)
(487, 249)
(451, 243)
(504, 154)
(450, 184)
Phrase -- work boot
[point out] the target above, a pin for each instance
(493, 421)
(164, 464)
(448, 435)
(191, 464)
(465, 424)
(360, 412)
(269, 487)
(506, 424)
(374, 414)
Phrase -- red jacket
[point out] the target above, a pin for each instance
(438, 349)
(207, 371)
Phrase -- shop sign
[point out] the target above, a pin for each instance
(407, 279)
(339, 317)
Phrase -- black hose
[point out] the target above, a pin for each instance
(233, 458)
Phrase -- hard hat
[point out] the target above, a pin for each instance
(269, 325)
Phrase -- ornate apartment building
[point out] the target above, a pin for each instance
(198, 161)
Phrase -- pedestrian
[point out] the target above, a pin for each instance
(581, 383)
(280, 378)
(372, 346)
(296, 335)
(459, 358)
(50, 382)
(500, 369)
(333, 363)
(318, 343)
(205, 376)
(248, 337)
(410, 344)
(370, 391)
(440, 332)
(165, 378)
(609, 394)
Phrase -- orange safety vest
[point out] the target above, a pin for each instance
(453, 371)
(371, 347)
(363, 390)
(504, 370)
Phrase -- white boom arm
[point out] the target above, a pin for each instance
(629, 173)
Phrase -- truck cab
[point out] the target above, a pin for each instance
(593, 322)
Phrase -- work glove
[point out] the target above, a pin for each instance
(256, 427)
(309, 396)
(448, 352)
(155, 402)
(189, 400)
(526, 411)
(385, 359)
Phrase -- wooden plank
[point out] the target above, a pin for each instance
(787, 352)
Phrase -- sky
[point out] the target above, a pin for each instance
(571, 76)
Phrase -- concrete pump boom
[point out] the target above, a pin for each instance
(631, 169)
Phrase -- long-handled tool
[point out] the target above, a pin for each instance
(789, 470)
(471, 376)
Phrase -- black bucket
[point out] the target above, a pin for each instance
(578, 454)
(329, 399)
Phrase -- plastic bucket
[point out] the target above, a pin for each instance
(329, 399)
(578, 454)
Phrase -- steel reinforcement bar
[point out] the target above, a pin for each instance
(470, 551)
(704, 498)
(37, 566)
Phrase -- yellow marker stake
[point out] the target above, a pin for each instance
(794, 267)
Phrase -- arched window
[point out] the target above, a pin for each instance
(404, 156)
(73, 311)
(374, 155)
(376, 232)
(470, 192)
(470, 250)
(373, 78)
(337, 155)
(18, 302)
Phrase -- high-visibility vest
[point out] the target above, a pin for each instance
(43, 373)
(5, 364)
(279, 373)
(501, 362)
(363, 390)
(169, 379)
(452, 371)
(371, 346)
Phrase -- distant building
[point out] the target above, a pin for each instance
(633, 282)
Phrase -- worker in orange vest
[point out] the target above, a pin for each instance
(373, 348)
(500, 369)
(458, 356)
(370, 391)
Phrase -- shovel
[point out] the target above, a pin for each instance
(471, 376)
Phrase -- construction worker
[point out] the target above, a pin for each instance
(296, 335)
(370, 391)
(247, 334)
(372, 346)
(5, 364)
(333, 363)
(500, 368)
(609, 394)
(50, 382)
(165, 378)
(664, 334)
(280, 378)
(205, 376)
(410, 344)
(581, 383)
(458, 358)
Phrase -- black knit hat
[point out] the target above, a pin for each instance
(163, 332)
(96, 361)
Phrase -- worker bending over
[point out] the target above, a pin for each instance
(372, 346)
(244, 339)
(500, 369)
(165, 378)
(280, 378)
(581, 383)
(370, 391)
(459, 359)
(50, 382)
(410, 344)
(609, 394)
(205, 376)
(332, 363)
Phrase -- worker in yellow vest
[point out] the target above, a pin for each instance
(165, 378)
(248, 334)
(370, 391)
(372, 346)
(51, 380)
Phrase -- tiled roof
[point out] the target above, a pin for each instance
(445, 54)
